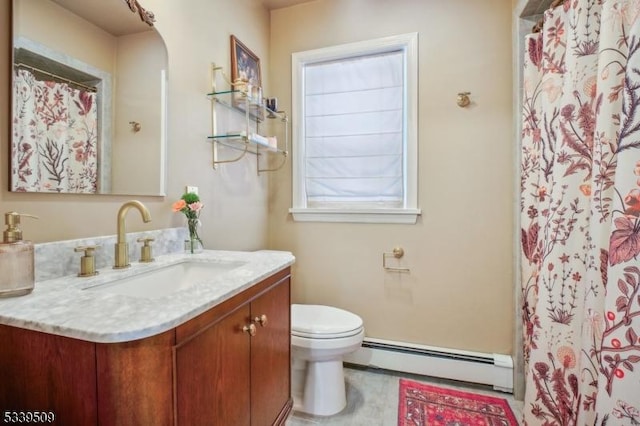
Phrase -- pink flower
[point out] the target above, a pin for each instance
(542, 192)
(567, 112)
(632, 200)
(196, 207)
(567, 356)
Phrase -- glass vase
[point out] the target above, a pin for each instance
(193, 246)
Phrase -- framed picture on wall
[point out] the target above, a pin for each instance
(246, 76)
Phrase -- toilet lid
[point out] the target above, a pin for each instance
(323, 322)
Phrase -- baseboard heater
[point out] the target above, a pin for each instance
(474, 367)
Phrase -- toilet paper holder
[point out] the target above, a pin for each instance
(397, 252)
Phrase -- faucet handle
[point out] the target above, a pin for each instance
(88, 261)
(145, 250)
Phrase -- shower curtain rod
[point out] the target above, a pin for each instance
(538, 26)
(66, 80)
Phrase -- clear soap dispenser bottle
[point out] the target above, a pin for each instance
(17, 276)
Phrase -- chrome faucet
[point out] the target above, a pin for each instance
(122, 248)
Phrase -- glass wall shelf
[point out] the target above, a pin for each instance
(257, 111)
(251, 119)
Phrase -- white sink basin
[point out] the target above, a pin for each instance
(166, 280)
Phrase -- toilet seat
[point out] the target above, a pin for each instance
(323, 322)
(326, 335)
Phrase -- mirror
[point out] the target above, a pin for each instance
(89, 98)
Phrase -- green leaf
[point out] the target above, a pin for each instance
(190, 198)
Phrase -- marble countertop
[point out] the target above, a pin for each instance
(69, 306)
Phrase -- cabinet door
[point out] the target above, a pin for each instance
(270, 356)
(212, 374)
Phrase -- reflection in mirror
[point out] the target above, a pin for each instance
(89, 98)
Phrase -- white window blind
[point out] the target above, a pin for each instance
(354, 131)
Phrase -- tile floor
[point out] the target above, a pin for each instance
(372, 398)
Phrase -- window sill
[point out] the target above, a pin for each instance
(402, 216)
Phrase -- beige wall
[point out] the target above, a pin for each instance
(41, 21)
(141, 63)
(235, 214)
(459, 293)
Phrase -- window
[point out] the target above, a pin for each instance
(355, 132)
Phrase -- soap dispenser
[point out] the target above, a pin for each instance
(17, 275)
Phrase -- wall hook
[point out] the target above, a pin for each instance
(135, 126)
(463, 99)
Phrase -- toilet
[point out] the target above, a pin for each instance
(320, 336)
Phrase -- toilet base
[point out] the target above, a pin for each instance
(323, 391)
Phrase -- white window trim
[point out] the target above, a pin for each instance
(407, 214)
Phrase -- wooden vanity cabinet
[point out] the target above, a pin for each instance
(231, 369)
(207, 371)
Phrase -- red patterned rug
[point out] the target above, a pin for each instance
(426, 405)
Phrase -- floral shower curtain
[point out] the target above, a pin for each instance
(54, 145)
(580, 215)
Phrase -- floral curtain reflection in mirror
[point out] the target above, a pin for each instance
(83, 70)
(54, 146)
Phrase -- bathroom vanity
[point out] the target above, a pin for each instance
(215, 353)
